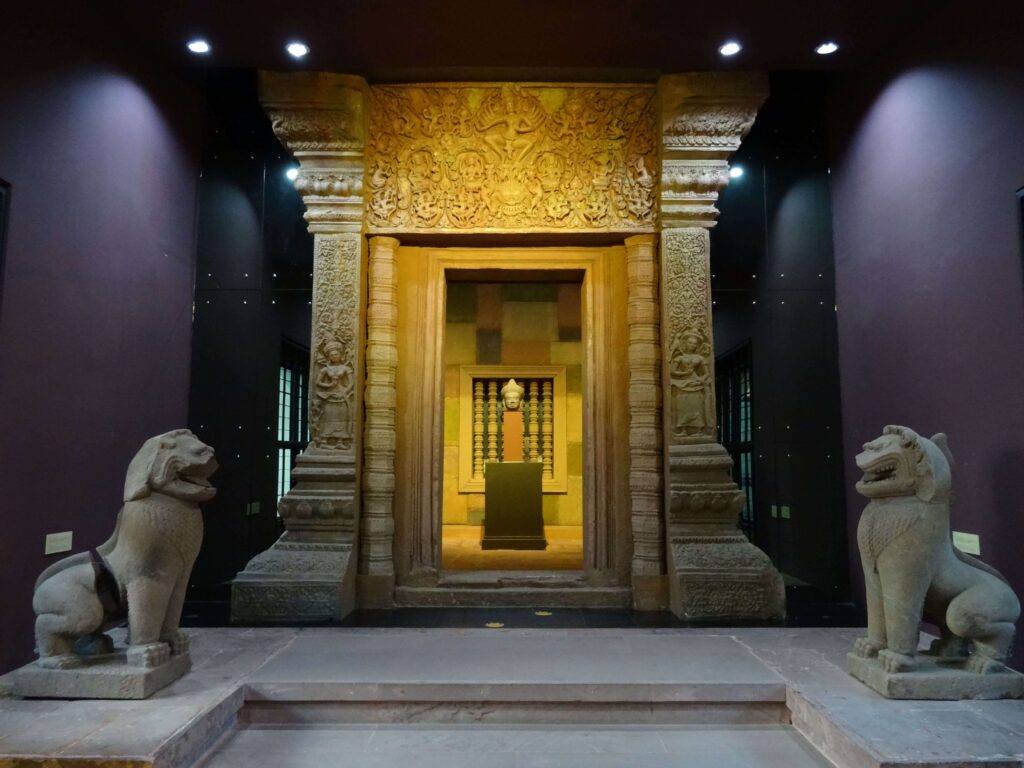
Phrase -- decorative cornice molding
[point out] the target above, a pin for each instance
(704, 117)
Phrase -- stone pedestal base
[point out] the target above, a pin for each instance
(945, 682)
(715, 573)
(103, 677)
(309, 574)
(303, 581)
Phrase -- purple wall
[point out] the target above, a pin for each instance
(97, 295)
(929, 283)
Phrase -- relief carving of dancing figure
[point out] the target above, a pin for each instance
(335, 385)
(690, 379)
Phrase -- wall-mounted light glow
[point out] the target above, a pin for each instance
(298, 50)
(826, 48)
(730, 48)
(736, 171)
(292, 174)
(198, 46)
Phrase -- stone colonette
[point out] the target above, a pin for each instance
(643, 163)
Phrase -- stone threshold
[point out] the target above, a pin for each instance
(523, 589)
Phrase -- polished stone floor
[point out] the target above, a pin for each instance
(516, 697)
(460, 551)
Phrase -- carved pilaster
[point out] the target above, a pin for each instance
(646, 482)
(377, 526)
(714, 572)
(309, 573)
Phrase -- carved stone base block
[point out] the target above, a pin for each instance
(102, 677)
(309, 573)
(714, 571)
(302, 581)
(931, 680)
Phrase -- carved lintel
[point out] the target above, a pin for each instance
(493, 157)
(704, 117)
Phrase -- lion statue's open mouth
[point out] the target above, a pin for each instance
(887, 471)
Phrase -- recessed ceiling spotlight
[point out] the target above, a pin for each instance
(826, 48)
(298, 50)
(730, 48)
(736, 171)
(292, 174)
(198, 46)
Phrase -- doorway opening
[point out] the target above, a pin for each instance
(500, 326)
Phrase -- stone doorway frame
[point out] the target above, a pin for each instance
(417, 510)
(687, 552)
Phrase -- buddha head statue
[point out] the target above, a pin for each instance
(512, 395)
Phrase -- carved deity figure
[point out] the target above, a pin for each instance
(508, 118)
(911, 566)
(512, 395)
(690, 378)
(334, 387)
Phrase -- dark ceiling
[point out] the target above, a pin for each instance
(537, 39)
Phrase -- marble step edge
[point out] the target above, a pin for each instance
(522, 693)
(186, 746)
(491, 596)
(842, 747)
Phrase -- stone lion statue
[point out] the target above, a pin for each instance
(912, 568)
(142, 570)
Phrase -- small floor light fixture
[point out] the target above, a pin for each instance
(297, 49)
(730, 48)
(199, 46)
(826, 48)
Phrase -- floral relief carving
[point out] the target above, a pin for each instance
(688, 299)
(511, 156)
(336, 295)
(700, 124)
(319, 130)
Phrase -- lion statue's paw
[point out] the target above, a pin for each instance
(179, 643)
(896, 662)
(980, 664)
(62, 661)
(149, 654)
(867, 648)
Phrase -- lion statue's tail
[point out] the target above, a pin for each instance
(975, 562)
(81, 558)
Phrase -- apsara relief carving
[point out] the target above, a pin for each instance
(688, 302)
(510, 156)
(336, 291)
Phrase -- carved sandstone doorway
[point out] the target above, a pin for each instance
(423, 277)
(637, 164)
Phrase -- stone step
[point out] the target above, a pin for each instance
(535, 746)
(487, 594)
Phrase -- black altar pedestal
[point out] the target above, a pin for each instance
(513, 514)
